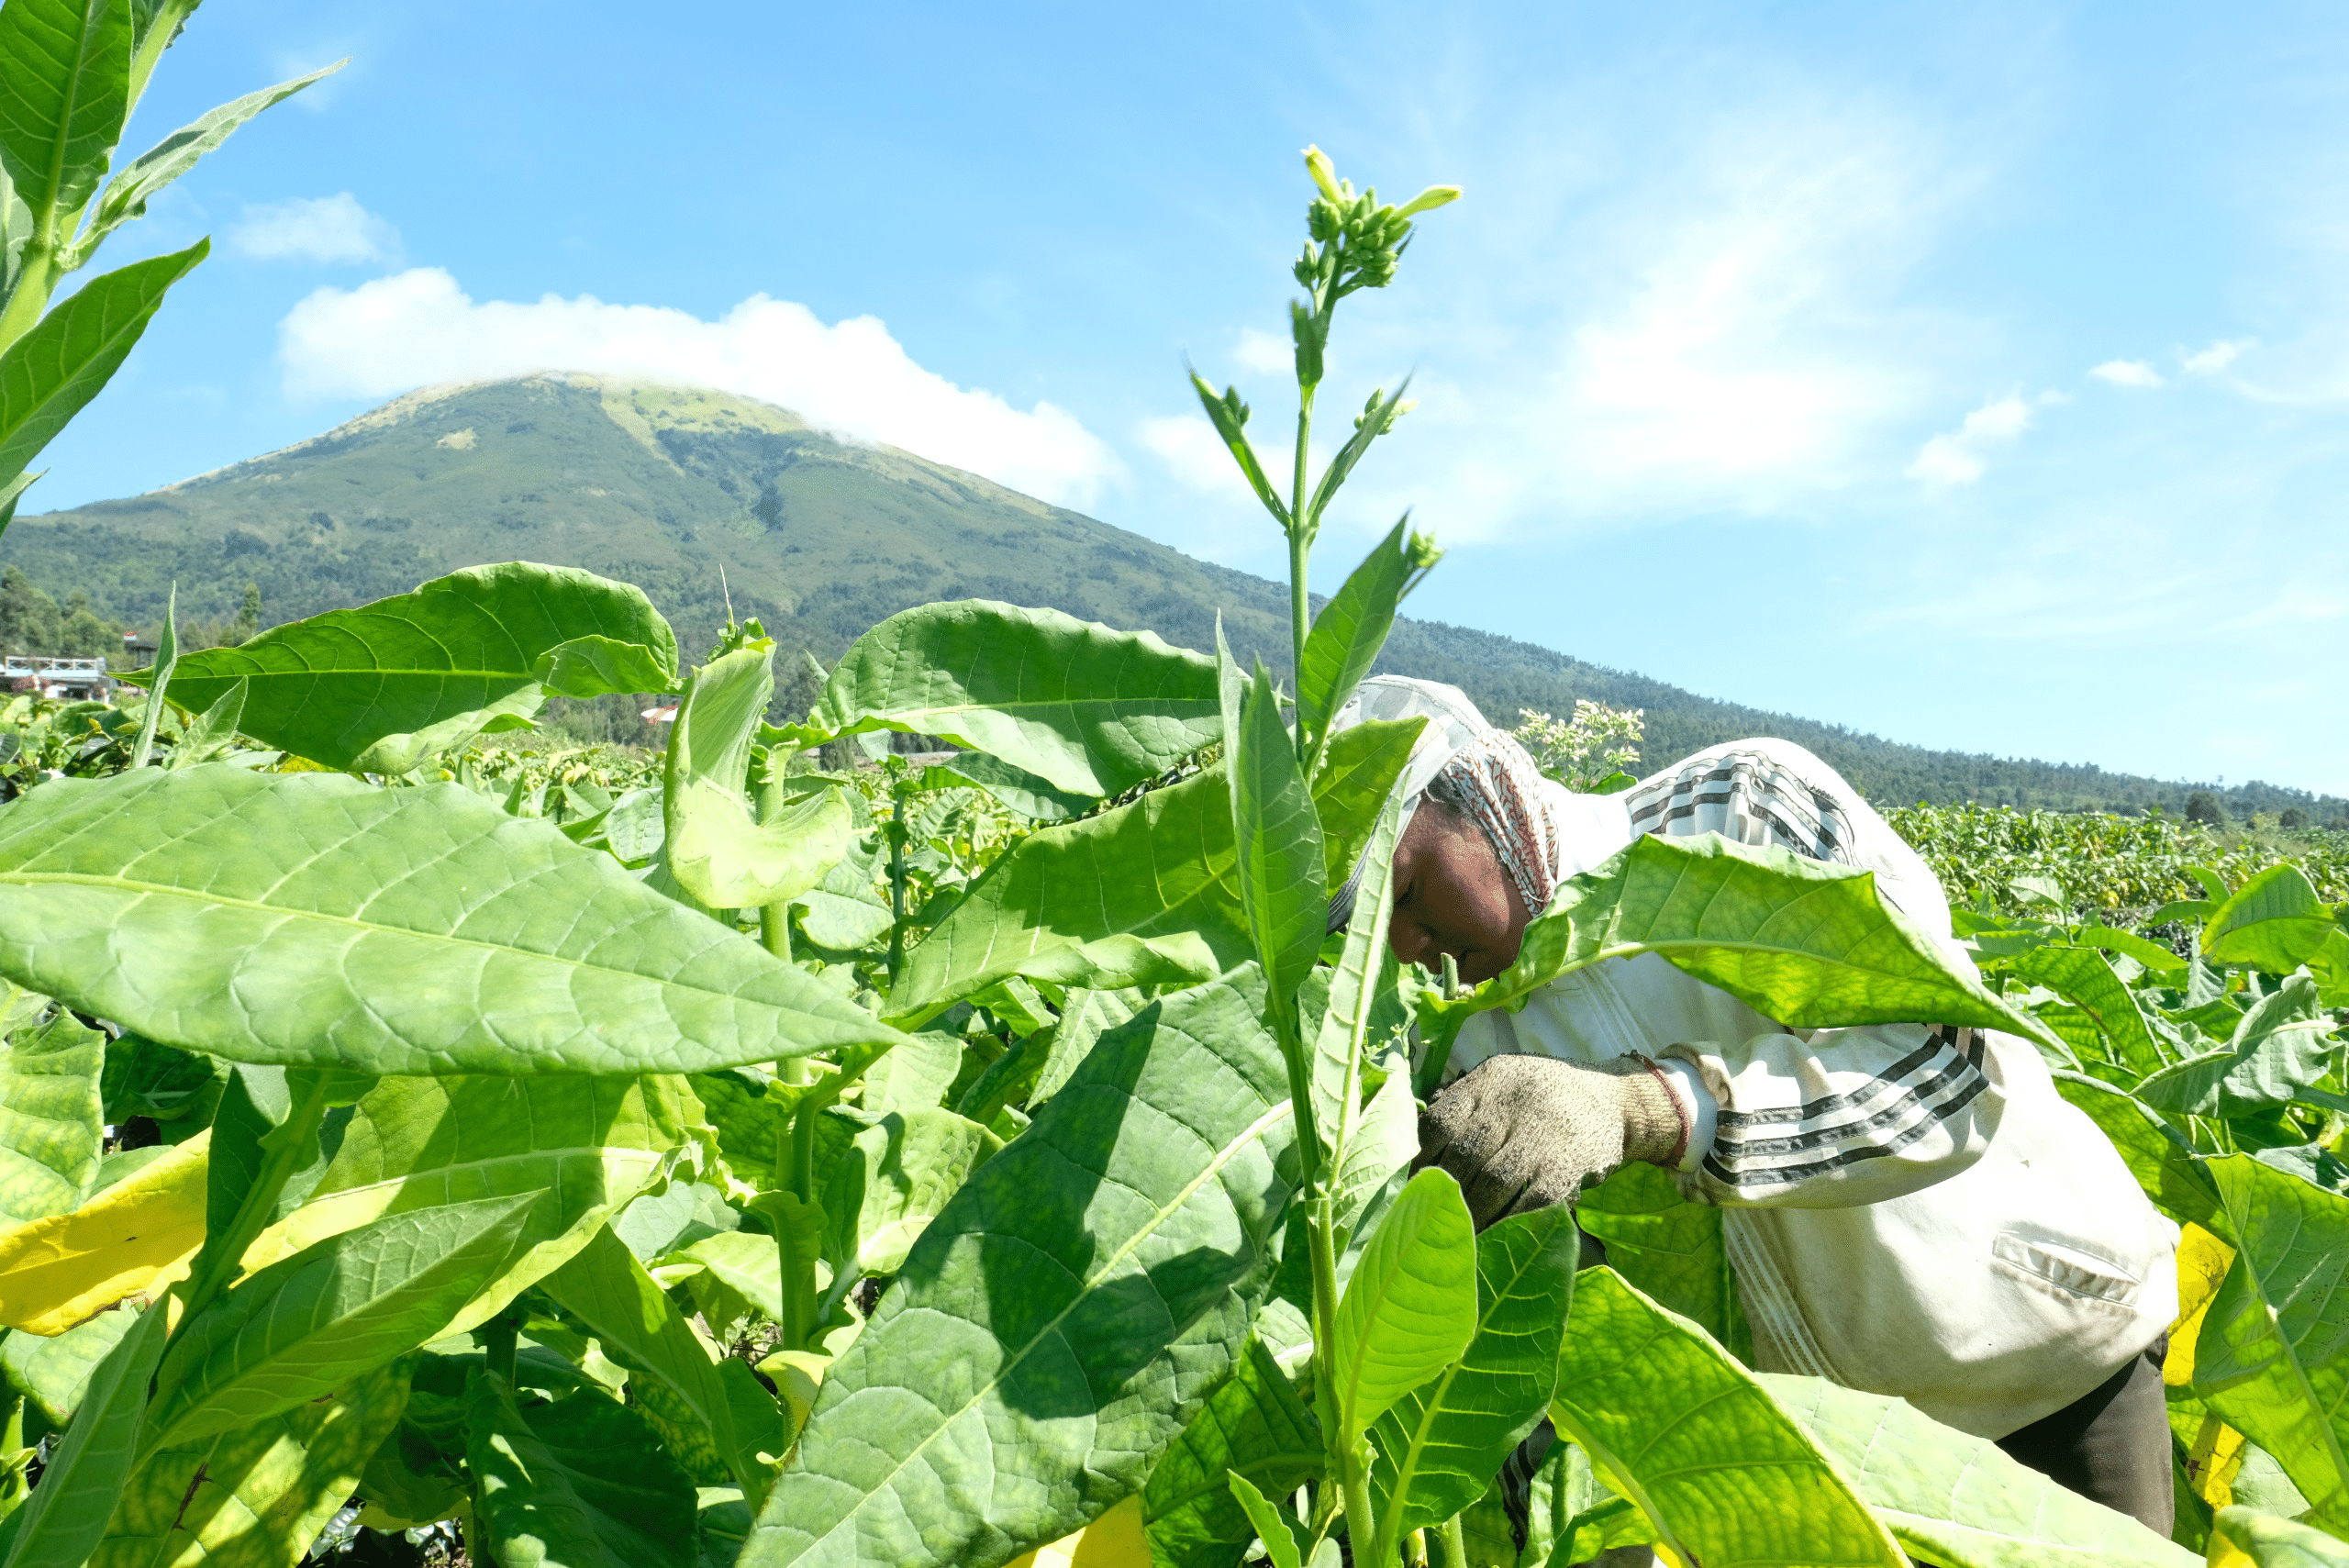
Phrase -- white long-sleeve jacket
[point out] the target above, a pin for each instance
(1909, 1210)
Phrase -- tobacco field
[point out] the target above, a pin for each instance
(416, 1150)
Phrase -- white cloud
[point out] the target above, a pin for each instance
(1957, 457)
(1194, 454)
(1730, 335)
(417, 327)
(2217, 357)
(315, 228)
(2128, 372)
(1267, 353)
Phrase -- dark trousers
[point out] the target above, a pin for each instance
(2111, 1444)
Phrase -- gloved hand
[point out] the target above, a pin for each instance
(1524, 1132)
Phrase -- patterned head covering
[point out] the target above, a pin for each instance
(1492, 782)
(1470, 767)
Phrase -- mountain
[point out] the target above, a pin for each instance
(698, 496)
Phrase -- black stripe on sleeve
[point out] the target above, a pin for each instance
(1789, 1174)
(1736, 1123)
(1911, 1105)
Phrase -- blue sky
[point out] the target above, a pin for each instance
(1975, 375)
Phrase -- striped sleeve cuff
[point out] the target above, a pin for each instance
(1758, 1152)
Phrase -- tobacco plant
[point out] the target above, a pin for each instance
(70, 73)
(755, 1162)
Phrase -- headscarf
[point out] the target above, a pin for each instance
(1470, 766)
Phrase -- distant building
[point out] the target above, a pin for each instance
(66, 680)
(140, 650)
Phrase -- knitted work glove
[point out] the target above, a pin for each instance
(1524, 1132)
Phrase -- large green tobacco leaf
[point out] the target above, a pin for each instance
(1083, 1016)
(1668, 1248)
(713, 847)
(1145, 893)
(1675, 1424)
(1358, 771)
(2275, 922)
(1808, 944)
(53, 1372)
(52, 1122)
(736, 1273)
(1410, 1308)
(2269, 1357)
(581, 1483)
(1352, 627)
(2085, 978)
(843, 913)
(330, 1314)
(2245, 1538)
(898, 1174)
(64, 93)
(308, 918)
(382, 686)
(1437, 1448)
(2157, 1154)
(257, 1495)
(1278, 834)
(1015, 787)
(1573, 1516)
(1253, 1426)
(1086, 709)
(50, 372)
(262, 1110)
(82, 1482)
(590, 1144)
(127, 194)
(1957, 1500)
(606, 1289)
(1065, 1317)
(1366, 1144)
(2283, 1043)
(915, 1076)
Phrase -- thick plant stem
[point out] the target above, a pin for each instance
(897, 883)
(500, 1341)
(289, 1147)
(775, 919)
(803, 1146)
(35, 278)
(1455, 1542)
(14, 1458)
(775, 935)
(800, 1321)
(1345, 1464)
(774, 929)
(1301, 552)
(1299, 613)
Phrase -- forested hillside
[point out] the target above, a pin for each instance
(697, 495)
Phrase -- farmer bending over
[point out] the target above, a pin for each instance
(1911, 1209)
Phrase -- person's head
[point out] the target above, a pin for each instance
(1479, 853)
(1454, 895)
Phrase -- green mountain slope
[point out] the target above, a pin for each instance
(681, 491)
